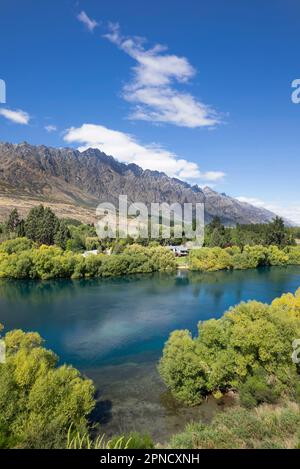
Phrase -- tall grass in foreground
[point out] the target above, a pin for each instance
(85, 442)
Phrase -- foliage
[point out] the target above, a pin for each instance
(267, 234)
(263, 428)
(47, 262)
(277, 235)
(250, 257)
(62, 235)
(134, 440)
(229, 351)
(41, 225)
(38, 400)
(14, 224)
(82, 237)
(16, 245)
(258, 389)
(84, 441)
(209, 259)
(293, 254)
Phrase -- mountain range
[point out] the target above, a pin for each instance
(73, 183)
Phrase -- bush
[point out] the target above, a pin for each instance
(229, 351)
(277, 256)
(209, 259)
(256, 390)
(293, 253)
(250, 257)
(48, 262)
(16, 245)
(38, 400)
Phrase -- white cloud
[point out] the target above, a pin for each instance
(127, 149)
(50, 128)
(18, 116)
(88, 22)
(290, 211)
(152, 89)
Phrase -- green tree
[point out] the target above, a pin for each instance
(62, 235)
(276, 233)
(217, 238)
(38, 400)
(215, 224)
(41, 225)
(13, 222)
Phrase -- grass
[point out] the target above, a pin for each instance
(84, 441)
(182, 262)
(265, 427)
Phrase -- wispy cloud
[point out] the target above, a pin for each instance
(127, 149)
(88, 22)
(18, 116)
(289, 211)
(50, 128)
(153, 90)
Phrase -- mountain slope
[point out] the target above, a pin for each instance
(68, 179)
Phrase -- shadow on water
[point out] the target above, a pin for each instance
(102, 413)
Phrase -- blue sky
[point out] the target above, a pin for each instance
(200, 90)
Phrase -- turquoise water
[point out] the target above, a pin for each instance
(114, 331)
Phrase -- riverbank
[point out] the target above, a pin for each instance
(20, 258)
(235, 258)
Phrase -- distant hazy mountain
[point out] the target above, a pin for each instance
(74, 182)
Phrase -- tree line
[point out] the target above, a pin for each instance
(44, 227)
(20, 258)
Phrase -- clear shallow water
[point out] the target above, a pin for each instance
(114, 330)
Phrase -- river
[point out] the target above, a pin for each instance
(114, 330)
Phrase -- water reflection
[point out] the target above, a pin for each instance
(102, 321)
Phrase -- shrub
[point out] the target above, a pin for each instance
(277, 256)
(256, 390)
(209, 259)
(16, 245)
(293, 253)
(48, 262)
(250, 258)
(38, 400)
(228, 351)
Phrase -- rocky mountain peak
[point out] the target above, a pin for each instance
(84, 179)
